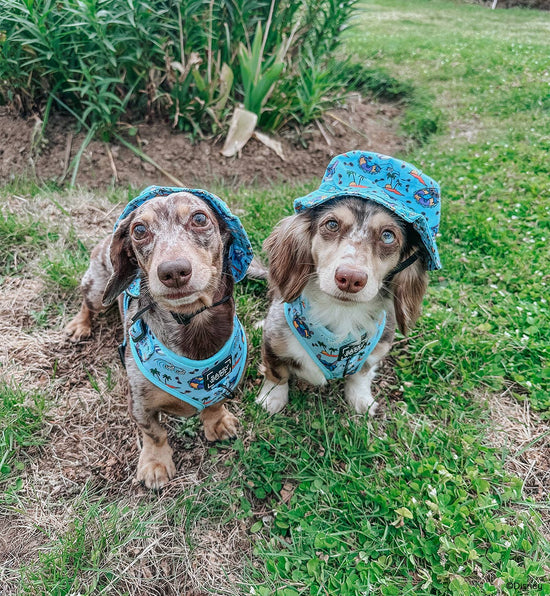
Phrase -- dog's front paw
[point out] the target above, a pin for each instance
(273, 397)
(220, 427)
(362, 403)
(156, 468)
(358, 393)
(79, 328)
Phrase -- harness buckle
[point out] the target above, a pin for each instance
(137, 331)
(227, 393)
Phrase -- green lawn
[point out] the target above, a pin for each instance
(316, 501)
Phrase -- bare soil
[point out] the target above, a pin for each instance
(360, 124)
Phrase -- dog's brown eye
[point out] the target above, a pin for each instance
(139, 231)
(200, 219)
(332, 225)
(387, 237)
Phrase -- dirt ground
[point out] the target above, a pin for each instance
(360, 124)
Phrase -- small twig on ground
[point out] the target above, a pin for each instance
(67, 156)
(324, 133)
(338, 119)
(112, 162)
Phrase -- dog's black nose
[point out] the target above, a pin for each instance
(174, 274)
(350, 280)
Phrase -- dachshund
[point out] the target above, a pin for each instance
(178, 244)
(348, 269)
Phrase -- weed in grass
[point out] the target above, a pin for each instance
(65, 271)
(20, 237)
(21, 421)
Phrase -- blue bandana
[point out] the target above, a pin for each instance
(240, 251)
(200, 383)
(337, 358)
(395, 184)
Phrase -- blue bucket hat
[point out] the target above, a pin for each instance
(395, 184)
(240, 251)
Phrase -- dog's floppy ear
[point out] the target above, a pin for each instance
(290, 259)
(409, 287)
(123, 261)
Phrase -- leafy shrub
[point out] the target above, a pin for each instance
(106, 61)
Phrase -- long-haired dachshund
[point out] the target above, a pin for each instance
(172, 262)
(344, 271)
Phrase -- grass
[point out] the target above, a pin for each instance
(21, 416)
(317, 501)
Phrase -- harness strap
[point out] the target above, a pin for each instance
(186, 319)
(406, 263)
(140, 312)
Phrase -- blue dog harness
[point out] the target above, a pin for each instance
(337, 358)
(200, 383)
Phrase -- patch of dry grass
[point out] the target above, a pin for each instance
(525, 439)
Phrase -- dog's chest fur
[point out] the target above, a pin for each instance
(341, 319)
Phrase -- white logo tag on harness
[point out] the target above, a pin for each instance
(350, 350)
(220, 371)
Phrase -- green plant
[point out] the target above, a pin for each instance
(21, 420)
(258, 75)
(65, 270)
(110, 61)
(314, 90)
(19, 238)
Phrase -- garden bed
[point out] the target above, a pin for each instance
(360, 124)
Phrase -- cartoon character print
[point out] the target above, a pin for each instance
(427, 197)
(300, 326)
(367, 165)
(326, 363)
(330, 171)
(197, 383)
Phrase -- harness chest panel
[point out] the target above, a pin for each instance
(200, 383)
(336, 357)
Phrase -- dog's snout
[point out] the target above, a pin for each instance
(174, 274)
(350, 280)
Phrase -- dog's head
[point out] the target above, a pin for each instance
(348, 248)
(181, 246)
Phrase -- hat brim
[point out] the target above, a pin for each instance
(372, 192)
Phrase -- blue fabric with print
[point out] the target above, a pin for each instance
(200, 383)
(395, 184)
(336, 357)
(240, 251)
